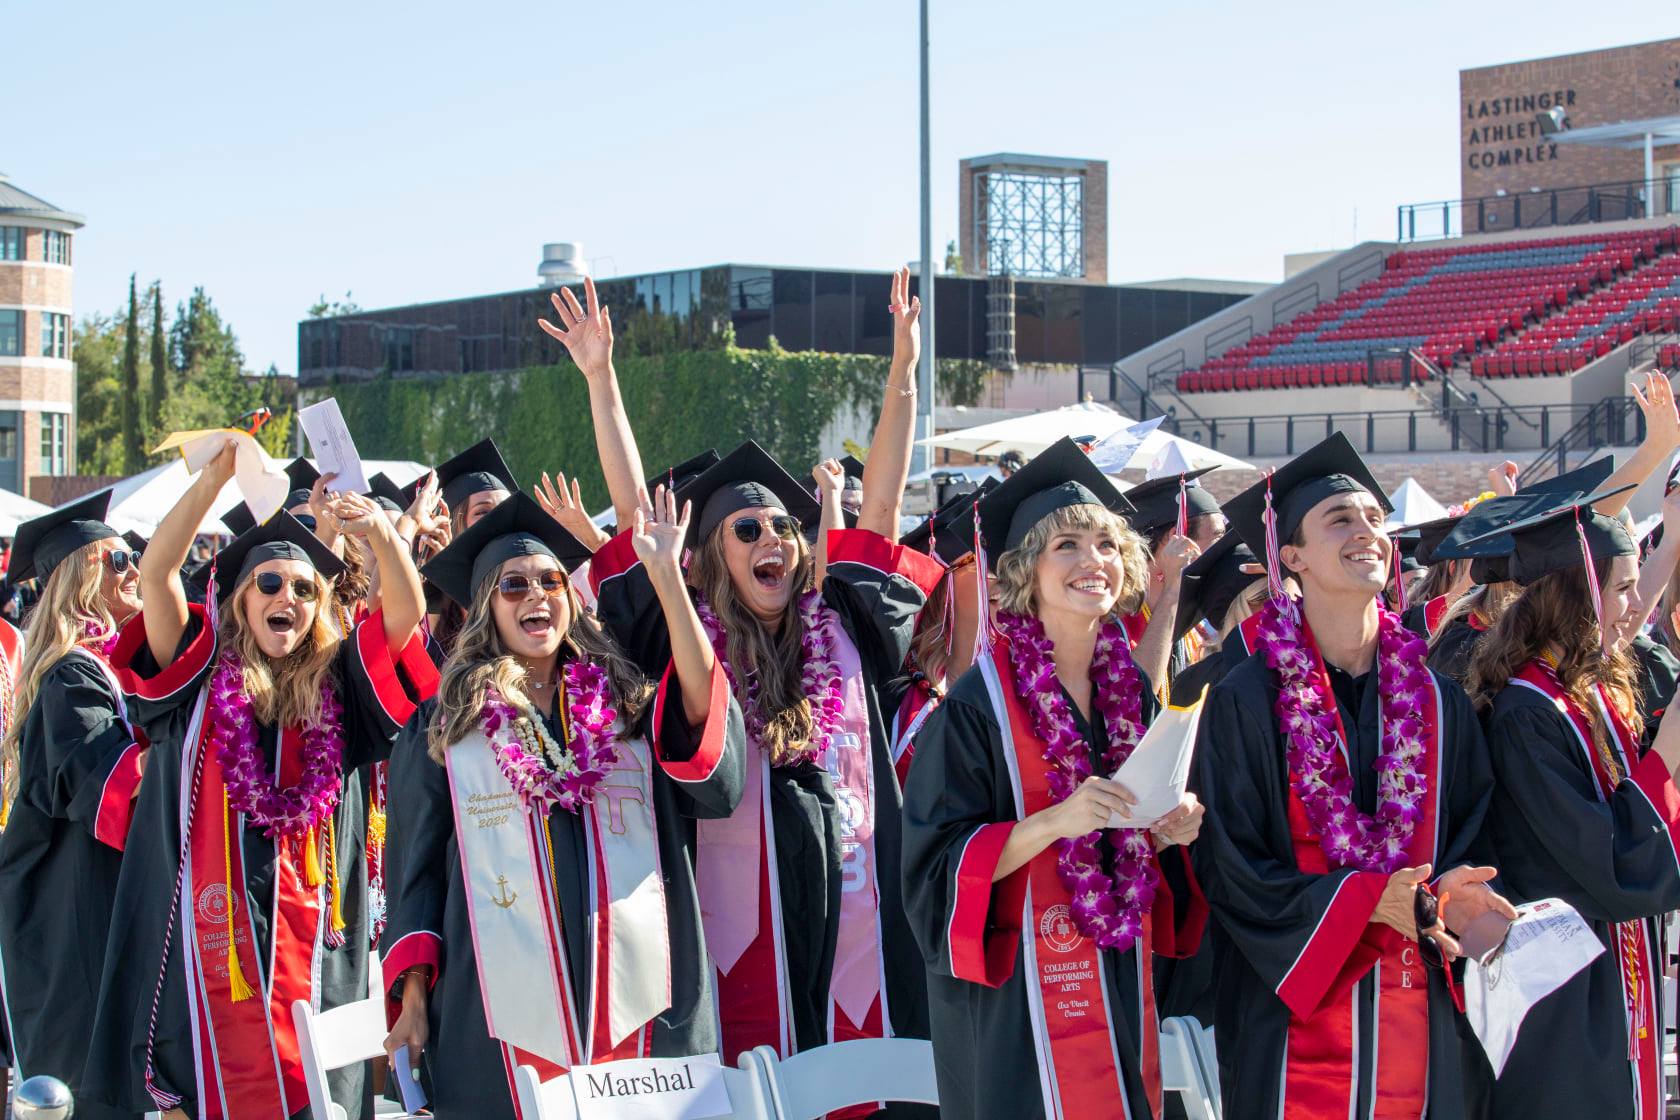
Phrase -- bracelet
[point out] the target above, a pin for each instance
(910, 392)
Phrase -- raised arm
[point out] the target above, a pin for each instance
(657, 536)
(1662, 439)
(888, 465)
(588, 338)
(401, 601)
(566, 506)
(160, 566)
(830, 477)
(1658, 568)
(1154, 649)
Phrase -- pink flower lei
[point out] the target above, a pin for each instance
(97, 639)
(544, 773)
(250, 786)
(1108, 906)
(819, 674)
(1308, 721)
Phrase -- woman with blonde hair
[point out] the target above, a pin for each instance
(72, 766)
(550, 768)
(256, 710)
(1037, 921)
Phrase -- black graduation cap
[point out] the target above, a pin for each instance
(42, 543)
(1475, 537)
(385, 493)
(1548, 541)
(1330, 467)
(1156, 500)
(239, 520)
(302, 475)
(281, 537)
(683, 473)
(475, 470)
(135, 541)
(745, 478)
(1418, 543)
(1212, 582)
(1061, 475)
(948, 533)
(517, 527)
(853, 466)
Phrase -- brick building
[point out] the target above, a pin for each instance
(1043, 216)
(37, 375)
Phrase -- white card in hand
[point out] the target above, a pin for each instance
(1546, 946)
(408, 1082)
(1159, 766)
(335, 451)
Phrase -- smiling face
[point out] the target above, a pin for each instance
(1623, 610)
(1341, 547)
(762, 571)
(1079, 574)
(282, 621)
(532, 626)
(120, 593)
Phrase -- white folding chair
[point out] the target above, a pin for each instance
(553, 1099)
(335, 1039)
(1209, 1054)
(815, 1082)
(1181, 1068)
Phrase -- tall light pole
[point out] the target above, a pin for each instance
(925, 386)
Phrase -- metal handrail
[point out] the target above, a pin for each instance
(1472, 428)
(1608, 416)
(1537, 209)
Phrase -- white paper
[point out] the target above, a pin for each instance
(1115, 450)
(652, 1089)
(261, 483)
(413, 1096)
(1547, 944)
(335, 451)
(1159, 766)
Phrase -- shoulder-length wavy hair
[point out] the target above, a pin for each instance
(71, 610)
(1017, 579)
(286, 691)
(771, 658)
(1555, 614)
(1485, 604)
(480, 660)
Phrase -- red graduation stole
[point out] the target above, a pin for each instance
(1321, 1078)
(1247, 633)
(1433, 612)
(1634, 960)
(1135, 625)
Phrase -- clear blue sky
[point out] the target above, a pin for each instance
(273, 152)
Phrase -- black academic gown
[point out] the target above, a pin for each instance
(877, 588)
(1659, 675)
(1450, 652)
(79, 767)
(1416, 619)
(429, 921)
(1268, 910)
(377, 697)
(1613, 862)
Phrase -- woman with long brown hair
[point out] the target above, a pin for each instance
(1578, 814)
(256, 710)
(72, 766)
(550, 768)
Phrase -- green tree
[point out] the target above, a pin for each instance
(134, 451)
(99, 395)
(209, 388)
(160, 371)
(323, 308)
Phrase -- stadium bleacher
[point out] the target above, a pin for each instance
(1509, 308)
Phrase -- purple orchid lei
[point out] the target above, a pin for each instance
(1308, 722)
(819, 675)
(1108, 907)
(96, 638)
(250, 786)
(569, 774)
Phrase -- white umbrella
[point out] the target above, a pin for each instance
(1412, 505)
(141, 501)
(15, 508)
(1031, 434)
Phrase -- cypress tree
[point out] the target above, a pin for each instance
(134, 454)
(160, 367)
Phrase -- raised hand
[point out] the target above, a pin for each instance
(587, 335)
(907, 316)
(220, 469)
(1502, 480)
(1177, 553)
(1662, 423)
(319, 499)
(659, 530)
(566, 507)
(830, 478)
(354, 514)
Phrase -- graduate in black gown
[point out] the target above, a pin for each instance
(1579, 815)
(1217, 592)
(1040, 983)
(466, 980)
(1325, 1007)
(73, 766)
(256, 711)
(1177, 519)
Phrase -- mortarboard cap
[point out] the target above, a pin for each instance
(43, 543)
(853, 466)
(281, 537)
(1549, 541)
(386, 494)
(1156, 501)
(135, 541)
(517, 527)
(1212, 581)
(477, 469)
(239, 519)
(1060, 476)
(680, 475)
(302, 475)
(747, 478)
(1474, 537)
(1329, 468)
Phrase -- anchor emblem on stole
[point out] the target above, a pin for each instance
(502, 898)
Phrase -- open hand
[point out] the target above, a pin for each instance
(1662, 423)
(907, 318)
(1175, 554)
(566, 506)
(1466, 896)
(354, 514)
(659, 531)
(587, 335)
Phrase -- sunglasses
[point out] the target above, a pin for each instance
(121, 560)
(270, 583)
(516, 587)
(1426, 911)
(749, 529)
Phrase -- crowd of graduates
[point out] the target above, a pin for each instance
(757, 770)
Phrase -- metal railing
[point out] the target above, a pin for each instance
(1611, 422)
(1538, 209)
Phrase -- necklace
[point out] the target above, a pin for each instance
(545, 773)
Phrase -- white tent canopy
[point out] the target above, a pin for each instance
(1031, 434)
(15, 508)
(141, 501)
(1413, 505)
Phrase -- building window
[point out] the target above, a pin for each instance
(399, 349)
(11, 333)
(55, 247)
(11, 243)
(55, 335)
(8, 438)
(55, 443)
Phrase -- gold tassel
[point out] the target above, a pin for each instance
(376, 825)
(236, 976)
(311, 860)
(333, 889)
